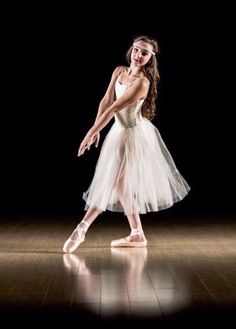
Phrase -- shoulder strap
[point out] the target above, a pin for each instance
(137, 79)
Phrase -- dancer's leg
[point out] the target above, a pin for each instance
(135, 239)
(78, 235)
(89, 217)
(133, 218)
(137, 233)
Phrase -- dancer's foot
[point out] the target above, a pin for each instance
(76, 238)
(135, 239)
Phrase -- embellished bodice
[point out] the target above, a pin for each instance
(131, 115)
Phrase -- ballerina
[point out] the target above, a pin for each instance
(135, 173)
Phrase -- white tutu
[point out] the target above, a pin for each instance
(135, 172)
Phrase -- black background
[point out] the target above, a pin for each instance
(58, 62)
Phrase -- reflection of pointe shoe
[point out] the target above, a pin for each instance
(130, 252)
(134, 257)
(71, 244)
(133, 261)
(136, 240)
(71, 262)
(75, 264)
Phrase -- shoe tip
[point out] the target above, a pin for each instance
(114, 243)
(65, 250)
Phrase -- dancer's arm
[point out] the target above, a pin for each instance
(107, 100)
(109, 96)
(137, 91)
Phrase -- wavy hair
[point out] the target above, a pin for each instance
(152, 74)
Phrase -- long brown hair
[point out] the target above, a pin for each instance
(152, 73)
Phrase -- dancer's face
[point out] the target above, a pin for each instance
(141, 53)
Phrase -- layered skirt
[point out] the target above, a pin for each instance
(135, 172)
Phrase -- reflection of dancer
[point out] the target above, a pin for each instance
(126, 283)
(75, 264)
(133, 259)
(86, 289)
(107, 288)
(135, 173)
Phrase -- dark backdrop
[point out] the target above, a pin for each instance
(57, 70)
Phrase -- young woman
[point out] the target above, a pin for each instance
(135, 172)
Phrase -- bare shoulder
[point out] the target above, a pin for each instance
(117, 71)
(139, 89)
(142, 83)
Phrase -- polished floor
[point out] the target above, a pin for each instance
(187, 272)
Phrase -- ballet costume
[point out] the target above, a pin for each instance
(134, 166)
(135, 172)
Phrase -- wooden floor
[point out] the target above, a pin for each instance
(187, 272)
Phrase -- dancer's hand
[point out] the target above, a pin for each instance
(88, 140)
(96, 139)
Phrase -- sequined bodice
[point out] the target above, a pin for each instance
(131, 115)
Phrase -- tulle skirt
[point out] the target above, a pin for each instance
(135, 172)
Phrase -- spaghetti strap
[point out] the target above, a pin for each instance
(131, 82)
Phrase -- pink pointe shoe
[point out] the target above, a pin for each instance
(136, 239)
(72, 244)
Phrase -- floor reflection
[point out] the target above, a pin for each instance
(118, 281)
(107, 279)
(75, 264)
(122, 285)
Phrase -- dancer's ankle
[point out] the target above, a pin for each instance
(137, 234)
(83, 225)
(136, 230)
